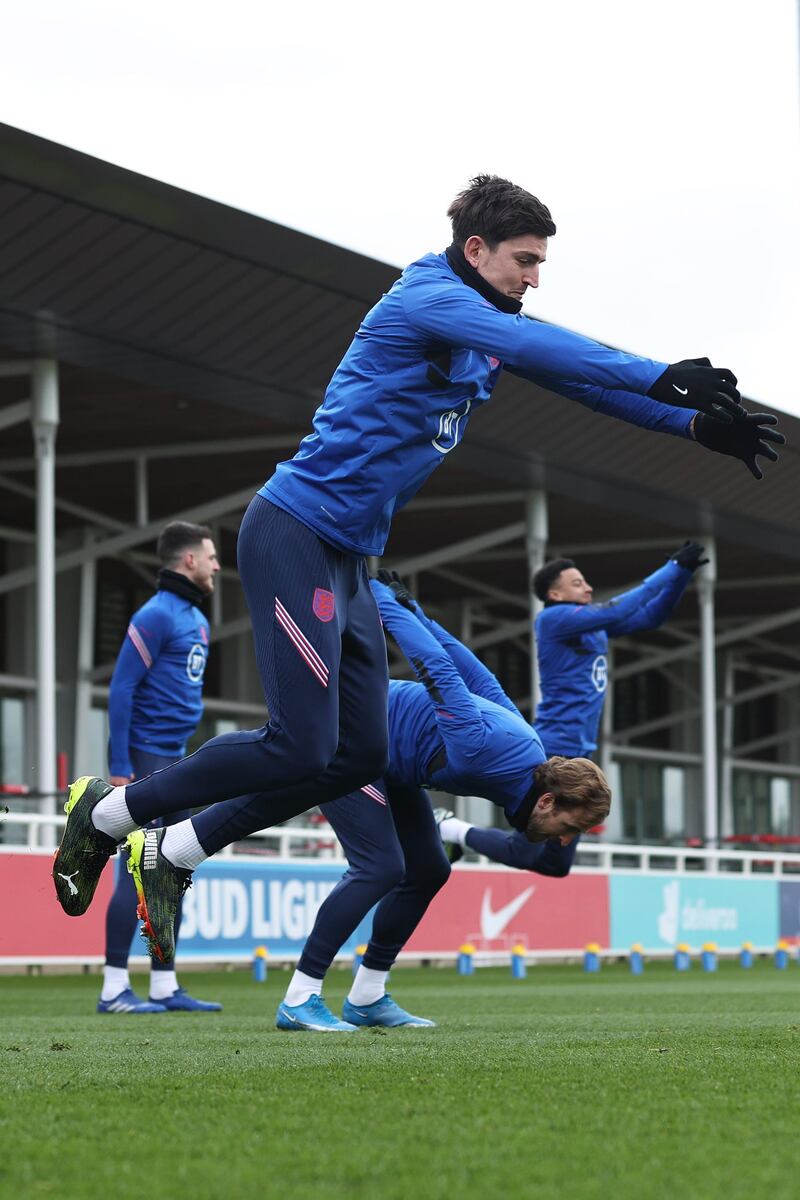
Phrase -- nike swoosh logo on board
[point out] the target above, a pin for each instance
(493, 923)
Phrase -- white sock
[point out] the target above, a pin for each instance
(300, 988)
(368, 986)
(453, 829)
(181, 847)
(110, 815)
(162, 984)
(115, 980)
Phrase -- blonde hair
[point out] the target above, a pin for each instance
(575, 783)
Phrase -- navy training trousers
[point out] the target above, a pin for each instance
(396, 860)
(322, 660)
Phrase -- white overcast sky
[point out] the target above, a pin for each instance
(662, 135)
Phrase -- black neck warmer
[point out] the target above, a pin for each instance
(468, 274)
(173, 581)
(522, 816)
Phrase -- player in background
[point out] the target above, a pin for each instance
(430, 351)
(572, 647)
(154, 705)
(455, 730)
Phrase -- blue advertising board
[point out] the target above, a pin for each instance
(235, 905)
(661, 910)
(790, 910)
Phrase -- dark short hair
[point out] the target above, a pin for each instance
(177, 537)
(496, 210)
(547, 575)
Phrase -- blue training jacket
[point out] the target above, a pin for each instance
(455, 730)
(155, 701)
(428, 353)
(572, 645)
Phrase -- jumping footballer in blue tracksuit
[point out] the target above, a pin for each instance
(455, 730)
(154, 706)
(429, 353)
(572, 647)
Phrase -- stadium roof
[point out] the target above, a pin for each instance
(176, 318)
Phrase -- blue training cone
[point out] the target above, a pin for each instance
(682, 959)
(708, 956)
(519, 969)
(782, 955)
(746, 955)
(636, 959)
(465, 964)
(591, 957)
(260, 964)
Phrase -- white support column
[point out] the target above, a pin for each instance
(45, 418)
(536, 537)
(142, 499)
(614, 822)
(726, 766)
(84, 663)
(707, 578)
(607, 719)
(465, 632)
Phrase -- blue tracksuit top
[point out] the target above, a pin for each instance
(572, 644)
(155, 701)
(457, 714)
(428, 353)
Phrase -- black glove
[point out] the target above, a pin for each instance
(402, 595)
(690, 556)
(694, 383)
(745, 437)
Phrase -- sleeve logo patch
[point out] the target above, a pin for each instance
(324, 604)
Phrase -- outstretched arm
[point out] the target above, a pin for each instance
(656, 606)
(446, 311)
(625, 405)
(456, 711)
(476, 675)
(640, 608)
(514, 850)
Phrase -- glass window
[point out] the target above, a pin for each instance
(780, 802)
(12, 739)
(674, 802)
(751, 802)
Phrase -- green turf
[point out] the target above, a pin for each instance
(562, 1085)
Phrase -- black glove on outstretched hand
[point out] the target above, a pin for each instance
(694, 383)
(392, 580)
(690, 556)
(745, 437)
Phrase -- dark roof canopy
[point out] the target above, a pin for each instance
(177, 318)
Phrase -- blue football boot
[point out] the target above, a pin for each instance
(128, 1002)
(314, 1015)
(382, 1012)
(181, 1001)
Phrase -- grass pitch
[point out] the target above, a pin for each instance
(562, 1085)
